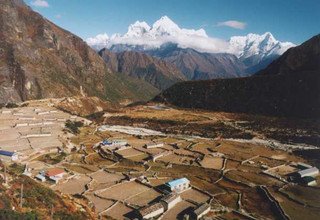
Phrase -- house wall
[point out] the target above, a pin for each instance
(154, 213)
(203, 213)
(171, 204)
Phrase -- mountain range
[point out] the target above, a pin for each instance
(197, 55)
(41, 60)
(289, 86)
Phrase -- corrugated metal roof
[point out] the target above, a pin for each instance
(177, 182)
(6, 153)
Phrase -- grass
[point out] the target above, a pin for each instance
(52, 159)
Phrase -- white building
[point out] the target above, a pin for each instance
(55, 174)
(178, 185)
(114, 143)
(151, 211)
(153, 145)
(170, 200)
(313, 171)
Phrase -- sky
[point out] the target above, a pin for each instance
(288, 20)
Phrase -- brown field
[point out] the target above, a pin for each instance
(80, 168)
(119, 211)
(153, 151)
(123, 191)
(158, 182)
(99, 204)
(307, 195)
(206, 186)
(212, 162)
(140, 158)
(73, 186)
(176, 159)
(250, 177)
(256, 204)
(105, 177)
(195, 195)
(96, 159)
(127, 153)
(186, 152)
(229, 199)
(144, 198)
(269, 161)
(283, 170)
(295, 210)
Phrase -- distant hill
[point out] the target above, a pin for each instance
(40, 60)
(139, 65)
(289, 86)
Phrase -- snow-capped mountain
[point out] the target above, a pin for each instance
(163, 31)
(253, 44)
(254, 52)
(141, 35)
(257, 51)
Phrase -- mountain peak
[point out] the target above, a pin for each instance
(137, 29)
(165, 26)
(257, 45)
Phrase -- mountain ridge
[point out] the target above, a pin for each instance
(157, 72)
(292, 93)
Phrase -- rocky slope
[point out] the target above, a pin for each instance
(40, 60)
(287, 87)
(142, 66)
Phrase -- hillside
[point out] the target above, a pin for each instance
(303, 58)
(40, 60)
(295, 93)
(142, 66)
(198, 66)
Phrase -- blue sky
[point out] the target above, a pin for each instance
(287, 20)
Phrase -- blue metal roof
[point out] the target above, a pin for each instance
(177, 182)
(6, 153)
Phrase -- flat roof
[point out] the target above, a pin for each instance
(170, 197)
(177, 182)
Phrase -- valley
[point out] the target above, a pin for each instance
(240, 171)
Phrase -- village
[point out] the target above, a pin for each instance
(127, 172)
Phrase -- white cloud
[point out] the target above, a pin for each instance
(58, 16)
(40, 3)
(166, 31)
(233, 24)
